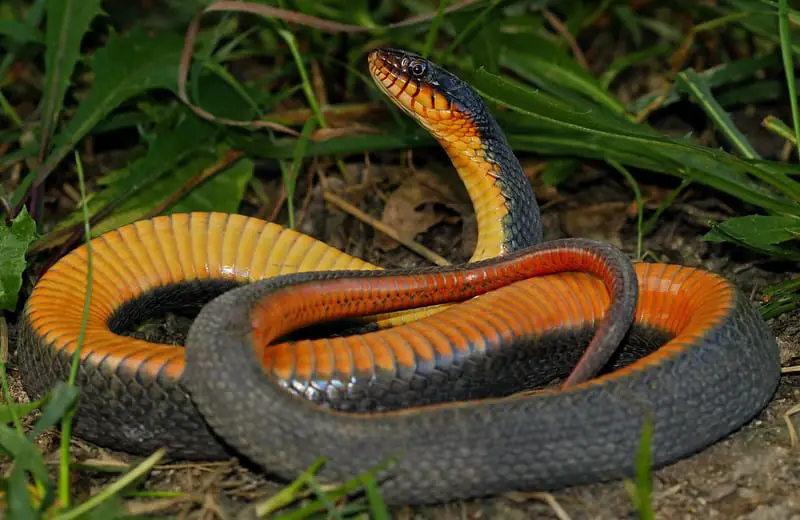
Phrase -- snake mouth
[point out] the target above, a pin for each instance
(408, 80)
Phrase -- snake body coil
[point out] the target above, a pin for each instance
(440, 379)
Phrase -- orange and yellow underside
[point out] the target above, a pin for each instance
(129, 262)
(457, 133)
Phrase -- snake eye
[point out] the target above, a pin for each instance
(417, 68)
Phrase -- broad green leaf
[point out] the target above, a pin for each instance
(20, 410)
(60, 399)
(230, 184)
(758, 229)
(23, 451)
(67, 23)
(126, 66)
(14, 242)
(222, 192)
(784, 251)
(20, 32)
(34, 12)
(20, 501)
(190, 138)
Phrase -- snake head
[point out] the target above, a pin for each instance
(437, 99)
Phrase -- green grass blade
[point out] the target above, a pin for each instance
(337, 493)
(290, 177)
(639, 206)
(60, 399)
(763, 19)
(306, 82)
(9, 111)
(125, 67)
(597, 136)
(35, 13)
(628, 60)
(21, 449)
(471, 28)
(190, 137)
(434, 29)
(642, 491)
(288, 494)
(779, 289)
(653, 219)
(698, 88)
(724, 74)
(556, 66)
(788, 67)
(10, 410)
(19, 499)
(67, 23)
(778, 127)
(377, 507)
(66, 422)
(109, 492)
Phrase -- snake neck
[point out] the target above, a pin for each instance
(505, 206)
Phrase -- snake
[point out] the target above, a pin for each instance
(536, 365)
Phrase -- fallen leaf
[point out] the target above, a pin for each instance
(416, 206)
(603, 222)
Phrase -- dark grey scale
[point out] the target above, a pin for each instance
(117, 407)
(108, 413)
(532, 363)
(522, 224)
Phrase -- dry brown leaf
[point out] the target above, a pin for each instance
(602, 221)
(412, 208)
